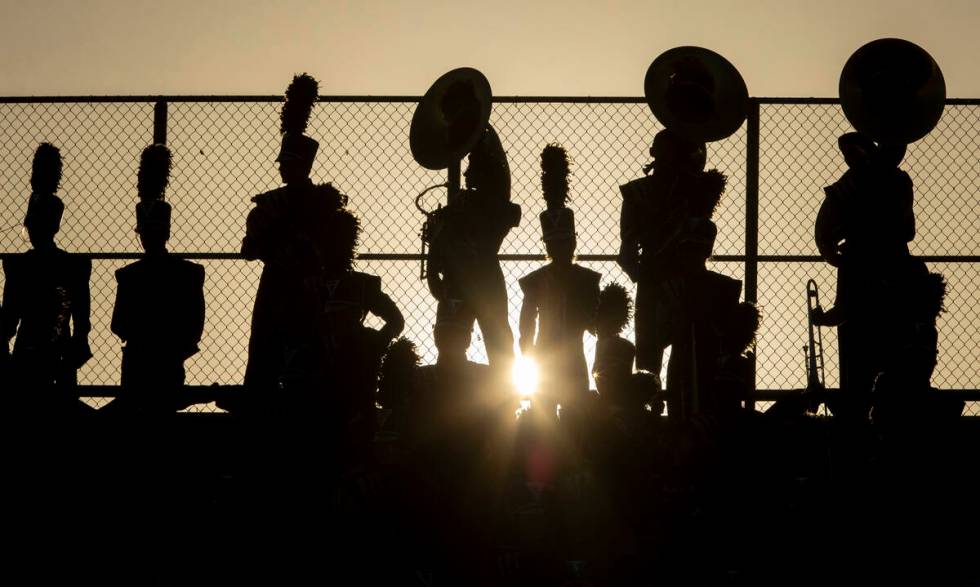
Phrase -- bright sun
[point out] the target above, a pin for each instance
(525, 376)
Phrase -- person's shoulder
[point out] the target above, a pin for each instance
(130, 272)
(587, 274)
(193, 271)
(623, 343)
(533, 278)
(270, 197)
(367, 280)
(13, 263)
(636, 189)
(76, 261)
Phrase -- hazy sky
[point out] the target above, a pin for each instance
(577, 47)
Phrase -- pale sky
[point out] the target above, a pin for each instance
(782, 47)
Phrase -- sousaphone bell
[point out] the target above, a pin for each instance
(696, 93)
(892, 91)
(448, 121)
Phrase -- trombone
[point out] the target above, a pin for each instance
(813, 351)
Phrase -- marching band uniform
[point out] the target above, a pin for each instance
(159, 309)
(283, 231)
(614, 355)
(562, 298)
(46, 295)
(863, 228)
(465, 238)
(333, 365)
(653, 212)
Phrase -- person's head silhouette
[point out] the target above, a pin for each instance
(452, 332)
(615, 308)
(44, 209)
(558, 233)
(488, 173)
(858, 150)
(397, 373)
(673, 154)
(338, 242)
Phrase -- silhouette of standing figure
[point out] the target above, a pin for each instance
(863, 228)
(466, 236)
(345, 356)
(560, 298)
(46, 298)
(613, 354)
(159, 311)
(281, 232)
(653, 212)
(694, 300)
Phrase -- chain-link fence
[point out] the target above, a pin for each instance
(224, 150)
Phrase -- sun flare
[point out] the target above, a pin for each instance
(525, 376)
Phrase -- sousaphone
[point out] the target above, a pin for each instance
(892, 91)
(448, 122)
(696, 94)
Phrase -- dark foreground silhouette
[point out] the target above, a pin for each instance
(621, 497)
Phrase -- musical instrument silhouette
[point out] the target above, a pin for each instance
(448, 121)
(813, 351)
(893, 91)
(696, 93)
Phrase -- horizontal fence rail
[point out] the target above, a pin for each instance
(224, 147)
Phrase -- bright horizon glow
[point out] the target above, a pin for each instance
(525, 376)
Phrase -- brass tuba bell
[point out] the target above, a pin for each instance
(696, 94)
(892, 91)
(450, 118)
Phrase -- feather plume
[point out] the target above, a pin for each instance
(615, 307)
(742, 326)
(301, 94)
(707, 194)
(554, 175)
(154, 172)
(46, 170)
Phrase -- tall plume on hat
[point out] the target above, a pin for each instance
(301, 94)
(154, 173)
(554, 175)
(46, 170)
(557, 220)
(152, 212)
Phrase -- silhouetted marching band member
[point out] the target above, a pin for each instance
(465, 237)
(397, 384)
(903, 393)
(614, 355)
(159, 311)
(560, 299)
(734, 378)
(863, 228)
(281, 231)
(335, 371)
(46, 298)
(654, 208)
(696, 300)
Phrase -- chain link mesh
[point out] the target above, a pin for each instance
(224, 153)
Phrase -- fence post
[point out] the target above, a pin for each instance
(752, 218)
(160, 123)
